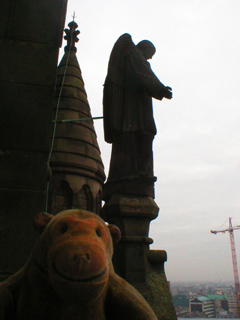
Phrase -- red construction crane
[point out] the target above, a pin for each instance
(234, 259)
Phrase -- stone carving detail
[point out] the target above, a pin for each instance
(62, 198)
(85, 198)
(98, 202)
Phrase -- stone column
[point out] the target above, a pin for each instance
(133, 260)
(133, 216)
(30, 37)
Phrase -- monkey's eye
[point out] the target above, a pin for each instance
(98, 232)
(64, 228)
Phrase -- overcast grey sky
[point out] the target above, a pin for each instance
(197, 148)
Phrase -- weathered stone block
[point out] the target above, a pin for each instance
(21, 61)
(40, 21)
(29, 171)
(156, 289)
(30, 37)
(6, 14)
(27, 114)
(17, 234)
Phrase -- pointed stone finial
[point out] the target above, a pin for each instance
(71, 35)
(74, 16)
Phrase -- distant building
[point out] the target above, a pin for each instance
(223, 314)
(232, 305)
(220, 303)
(202, 304)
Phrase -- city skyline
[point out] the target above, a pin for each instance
(219, 300)
(196, 149)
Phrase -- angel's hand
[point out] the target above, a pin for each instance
(168, 93)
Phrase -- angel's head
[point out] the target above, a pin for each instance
(147, 48)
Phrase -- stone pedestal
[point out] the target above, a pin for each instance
(133, 260)
(139, 186)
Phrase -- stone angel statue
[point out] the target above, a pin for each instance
(129, 125)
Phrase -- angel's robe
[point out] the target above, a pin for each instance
(128, 118)
(128, 91)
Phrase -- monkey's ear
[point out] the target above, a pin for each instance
(115, 233)
(41, 220)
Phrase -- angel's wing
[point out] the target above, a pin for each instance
(113, 93)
